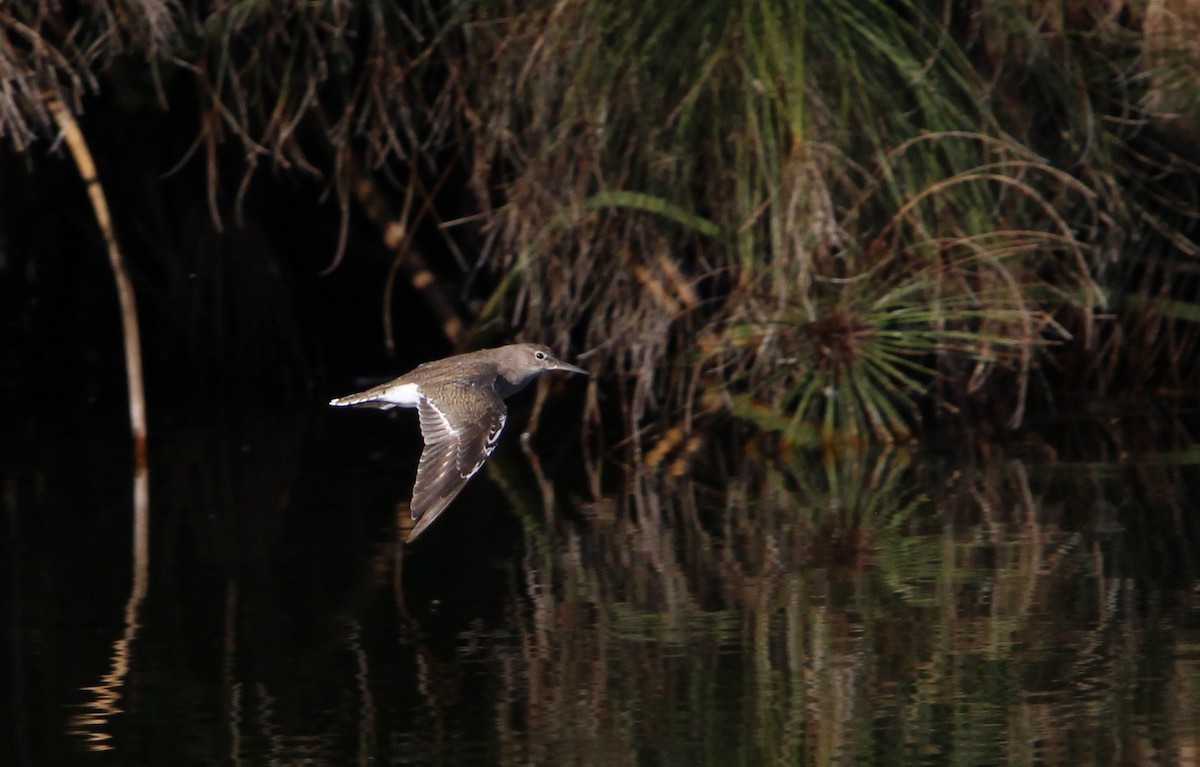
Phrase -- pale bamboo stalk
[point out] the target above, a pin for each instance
(75, 142)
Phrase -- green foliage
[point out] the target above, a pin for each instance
(703, 191)
(829, 168)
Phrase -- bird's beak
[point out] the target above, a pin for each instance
(560, 365)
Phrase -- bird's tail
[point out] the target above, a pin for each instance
(362, 398)
(384, 396)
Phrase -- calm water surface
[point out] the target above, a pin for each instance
(250, 600)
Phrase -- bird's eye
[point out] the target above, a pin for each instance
(540, 355)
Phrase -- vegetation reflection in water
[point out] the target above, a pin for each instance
(865, 607)
(979, 606)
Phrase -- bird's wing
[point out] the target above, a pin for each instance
(455, 446)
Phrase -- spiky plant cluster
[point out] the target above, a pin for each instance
(947, 292)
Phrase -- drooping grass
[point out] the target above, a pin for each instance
(831, 169)
(955, 197)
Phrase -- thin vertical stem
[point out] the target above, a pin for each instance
(73, 137)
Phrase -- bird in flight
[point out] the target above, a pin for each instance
(460, 405)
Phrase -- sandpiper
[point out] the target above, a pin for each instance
(460, 403)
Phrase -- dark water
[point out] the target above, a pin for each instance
(251, 602)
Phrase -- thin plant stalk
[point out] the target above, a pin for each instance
(131, 335)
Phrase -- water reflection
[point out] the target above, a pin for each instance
(978, 605)
(92, 724)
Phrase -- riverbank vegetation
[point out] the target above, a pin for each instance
(836, 220)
